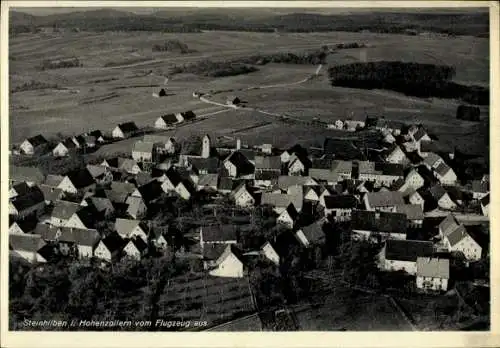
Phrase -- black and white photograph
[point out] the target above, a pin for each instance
(251, 169)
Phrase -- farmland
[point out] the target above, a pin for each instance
(99, 96)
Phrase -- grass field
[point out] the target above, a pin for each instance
(96, 97)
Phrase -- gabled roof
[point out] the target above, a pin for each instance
(53, 180)
(419, 134)
(480, 186)
(226, 183)
(47, 232)
(292, 212)
(399, 183)
(393, 169)
(26, 242)
(122, 187)
(340, 202)
(124, 227)
(28, 174)
(219, 233)
(442, 169)
(174, 176)
(64, 210)
(314, 232)
(188, 115)
(211, 164)
(281, 200)
(192, 147)
(449, 224)
(407, 250)
(154, 138)
(96, 170)
(37, 140)
(169, 118)
(412, 211)
(142, 146)
(96, 133)
(208, 180)
(128, 127)
(457, 235)
(385, 198)
(139, 244)
(35, 196)
(286, 181)
(366, 167)
(268, 163)
(150, 191)
(51, 193)
(80, 236)
(113, 242)
(21, 188)
(134, 204)
(242, 164)
(126, 164)
(485, 201)
(437, 191)
(101, 204)
(379, 222)
(324, 174)
(26, 225)
(267, 175)
(431, 159)
(68, 143)
(339, 166)
(80, 178)
(88, 216)
(322, 163)
(433, 267)
(230, 250)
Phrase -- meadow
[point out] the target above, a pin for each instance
(99, 96)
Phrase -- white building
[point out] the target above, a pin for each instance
(433, 273)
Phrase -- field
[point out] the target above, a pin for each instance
(95, 96)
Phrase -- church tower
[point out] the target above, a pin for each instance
(205, 149)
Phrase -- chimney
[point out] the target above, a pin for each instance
(238, 144)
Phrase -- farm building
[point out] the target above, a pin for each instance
(125, 130)
(64, 148)
(32, 202)
(143, 151)
(165, 121)
(33, 145)
(402, 255)
(433, 273)
(77, 181)
(231, 100)
(229, 264)
(27, 247)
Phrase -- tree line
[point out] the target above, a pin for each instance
(413, 79)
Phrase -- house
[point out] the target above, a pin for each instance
(31, 203)
(208, 182)
(129, 229)
(127, 165)
(197, 148)
(266, 149)
(280, 201)
(395, 155)
(204, 165)
(445, 174)
(316, 193)
(97, 134)
(47, 232)
(266, 179)
(378, 227)
(479, 188)
(238, 165)
(433, 273)
(269, 251)
(109, 249)
(166, 121)
(53, 180)
(311, 234)
(142, 151)
(242, 196)
(298, 164)
(448, 225)
(163, 144)
(26, 247)
(414, 197)
(23, 226)
(459, 240)
(402, 255)
(414, 214)
(62, 212)
(324, 175)
(149, 192)
(135, 249)
(158, 239)
(414, 180)
(101, 174)
(381, 173)
(84, 141)
(33, 145)
(296, 149)
(232, 100)
(102, 205)
(442, 197)
(188, 115)
(64, 148)
(420, 135)
(217, 234)
(432, 161)
(77, 241)
(84, 218)
(288, 216)
(485, 205)
(174, 182)
(342, 168)
(125, 130)
(19, 189)
(229, 264)
(340, 206)
(268, 164)
(287, 181)
(30, 175)
(136, 207)
(383, 200)
(226, 185)
(122, 189)
(77, 182)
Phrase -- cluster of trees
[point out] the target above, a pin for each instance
(313, 57)
(33, 85)
(172, 45)
(415, 79)
(61, 63)
(214, 69)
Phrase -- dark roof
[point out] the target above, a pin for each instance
(139, 243)
(426, 174)
(386, 222)
(169, 118)
(128, 127)
(390, 168)
(437, 191)
(242, 164)
(192, 146)
(21, 188)
(397, 184)
(88, 216)
(292, 212)
(26, 242)
(174, 176)
(226, 183)
(340, 202)
(37, 140)
(64, 210)
(268, 163)
(79, 236)
(407, 250)
(216, 233)
(213, 251)
(414, 157)
(211, 164)
(113, 242)
(96, 133)
(81, 178)
(27, 225)
(188, 115)
(485, 200)
(419, 134)
(298, 150)
(69, 143)
(35, 196)
(314, 232)
(267, 175)
(322, 163)
(22, 173)
(151, 190)
(430, 202)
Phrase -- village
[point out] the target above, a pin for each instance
(406, 199)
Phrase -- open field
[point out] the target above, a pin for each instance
(96, 97)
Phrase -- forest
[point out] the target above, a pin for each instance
(413, 79)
